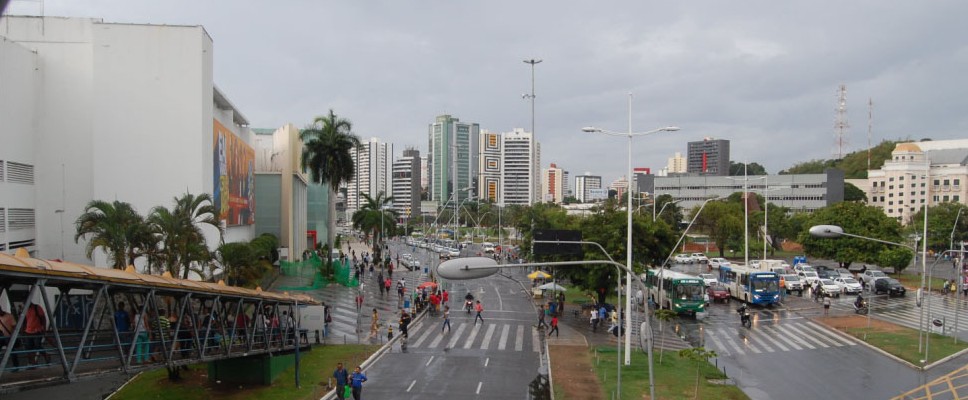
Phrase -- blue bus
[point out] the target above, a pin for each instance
(751, 285)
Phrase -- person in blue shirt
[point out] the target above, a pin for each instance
(357, 383)
(342, 378)
(122, 321)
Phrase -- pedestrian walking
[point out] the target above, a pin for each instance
(446, 297)
(541, 318)
(374, 325)
(356, 381)
(826, 306)
(379, 284)
(479, 308)
(594, 319)
(554, 326)
(446, 319)
(359, 301)
(341, 376)
(405, 324)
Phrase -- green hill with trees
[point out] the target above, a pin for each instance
(854, 164)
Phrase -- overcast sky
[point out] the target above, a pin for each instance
(762, 74)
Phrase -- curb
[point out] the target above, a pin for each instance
(376, 355)
(944, 360)
(118, 390)
(872, 347)
(547, 355)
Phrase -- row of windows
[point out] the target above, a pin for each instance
(17, 172)
(20, 218)
(937, 182)
(944, 199)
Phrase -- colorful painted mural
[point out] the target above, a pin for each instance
(234, 177)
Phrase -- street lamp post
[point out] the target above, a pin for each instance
(654, 214)
(628, 211)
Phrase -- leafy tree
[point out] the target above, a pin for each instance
(180, 233)
(115, 227)
(699, 355)
(854, 164)
(941, 225)
(857, 219)
(722, 221)
(853, 193)
(326, 154)
(570, 200)
(737, 169)
(235, 257)
(895, 257)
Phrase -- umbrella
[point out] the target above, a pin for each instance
(552, 287)
(539, 274)
(427, 284)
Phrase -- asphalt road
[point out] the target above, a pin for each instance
(496, 359)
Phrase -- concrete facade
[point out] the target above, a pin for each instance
(521, 156)
(799, 193)
(283, 203)
(584, 184)
(452, 147)
(406, 184)
(490, 167)
(553, 184)
(708, 157)
(374, 166)
(119, 111)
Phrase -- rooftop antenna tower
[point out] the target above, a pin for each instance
(870, 129)
(840, 124)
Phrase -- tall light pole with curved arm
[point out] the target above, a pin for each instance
(628, 209)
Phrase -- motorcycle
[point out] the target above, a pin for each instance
(744, 317)
(863, 308)
(468, 305)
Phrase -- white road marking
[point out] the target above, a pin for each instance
(722, 348)
(423, 337)
(437, 340)
(479, 387)
(807, 336)
(793, 335)
(487, 361)
(504, 337)
(460, 330)
(534, 341)
(519, 338)
(487, 336)
(470, 338)
(411, 385)
(429, 361)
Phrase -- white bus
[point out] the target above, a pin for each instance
(751, 285)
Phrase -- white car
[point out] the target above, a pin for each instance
(709, 279)
(683, 259)
(452, 252)
(803, 267)
(808, 277)
(488, 247)
(872, 275)
(829, 288)
(700, 257)
(717, 262)
(848, 285)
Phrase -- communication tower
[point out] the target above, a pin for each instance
(840, 124)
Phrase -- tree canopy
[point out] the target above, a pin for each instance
(857, 219)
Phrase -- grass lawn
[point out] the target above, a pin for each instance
(314, 367)
(914, 281)
(675, 377)
(898, 340)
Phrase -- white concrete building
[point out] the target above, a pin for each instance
(676, 165)
(553, 184)
(919, 173)
(374, 166)
(521, 156)
(113, 111)
(406, 184)
(585, 184)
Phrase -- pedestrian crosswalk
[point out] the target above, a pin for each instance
(497, 336)
(767, 338)
(904, 311)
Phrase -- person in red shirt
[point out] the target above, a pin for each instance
(446, 296)
(554, 326)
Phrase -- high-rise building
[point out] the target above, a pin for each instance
(521, 156)
(918, 173)
(553, 184)
(489, 167)
(676, 165)
(451, 147)
(406, 184)
(585, 185)
(373, 163)
(708, 157)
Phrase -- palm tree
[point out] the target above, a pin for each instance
(180, 230)
(375, 217)
(113, 227)
(326, 154)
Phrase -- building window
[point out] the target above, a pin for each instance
(891, 179)
(937, 182)
(956, 198)
(945, 198)
(935, 198)
(890, 203)
(957, 182)
(3, 221)
(1, 170)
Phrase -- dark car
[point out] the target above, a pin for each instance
(718, 292)
(890, 286)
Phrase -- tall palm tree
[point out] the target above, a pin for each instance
(112, 227)
(326, 154)
(375, 217)
(181, 232)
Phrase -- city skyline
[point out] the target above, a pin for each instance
(706, 67)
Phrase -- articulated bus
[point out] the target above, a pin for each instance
(751, 285)
(679, 292)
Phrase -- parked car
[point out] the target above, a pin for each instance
(718, 292)
(804, 267)
(717, 262)
(890, 286)
(848, 285)
(709, 279)
(488, 247)
(871, 275)
(824, 274)
(683, 259)
(792, 283)
(845, 273)
(829, 288)
(700, 258)
(808, 277)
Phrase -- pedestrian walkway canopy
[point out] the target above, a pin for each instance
(208, 321)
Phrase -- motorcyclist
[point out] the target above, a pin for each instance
(468, 301)
(859, 302)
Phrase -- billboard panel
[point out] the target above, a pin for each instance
(234, 189)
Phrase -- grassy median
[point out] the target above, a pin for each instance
(314, 367)
(898, 340)
(675, 377)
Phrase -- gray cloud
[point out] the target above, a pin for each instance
(761, 73)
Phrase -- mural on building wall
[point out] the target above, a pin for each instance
(234, 177)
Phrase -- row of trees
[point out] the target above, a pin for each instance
(170, 239)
